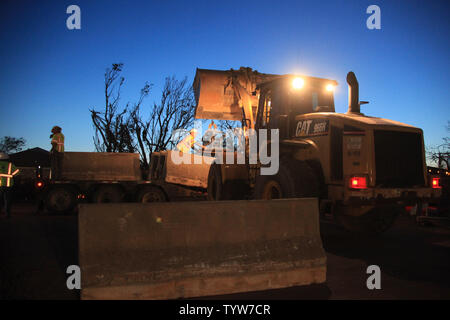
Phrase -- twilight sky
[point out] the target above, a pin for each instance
(51, 75)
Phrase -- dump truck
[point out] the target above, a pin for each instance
(363, 169)
(104, 177)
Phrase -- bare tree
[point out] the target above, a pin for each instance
(441, 154)
(112, 126)
(138, 127)
(126, 130)
(10, 144)
(174, 111)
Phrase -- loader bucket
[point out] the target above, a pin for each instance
(215, 96)
(191, 249)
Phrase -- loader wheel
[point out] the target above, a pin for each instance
(295, 179)
(374, 222)
(107, 194)
(151, 194)
(216, 189)
(60, 199)
(272, 190)
(381, 219)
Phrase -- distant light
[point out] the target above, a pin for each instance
(298, 83)
(39, 184)
(330, 87)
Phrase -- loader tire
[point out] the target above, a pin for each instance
(216, 189)
(60, 199)
(373, 223)
(107, 194)
(151, 194)
(295, 179)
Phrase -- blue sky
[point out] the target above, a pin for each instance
(51, 75)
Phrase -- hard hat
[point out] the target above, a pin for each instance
(212, 125)
(4, 156)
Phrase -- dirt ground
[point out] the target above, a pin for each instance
(35, 251)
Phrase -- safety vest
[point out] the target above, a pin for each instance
(7, 172)
(186, 144)
(58, 139)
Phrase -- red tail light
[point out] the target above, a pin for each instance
(358, 183)
(39, 184)
(435, 183)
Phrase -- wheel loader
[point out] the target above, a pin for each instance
(363, 169)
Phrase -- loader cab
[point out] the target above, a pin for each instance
(282, 99)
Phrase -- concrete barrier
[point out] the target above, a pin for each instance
(190, 249)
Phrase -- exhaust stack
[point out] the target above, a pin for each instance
(353, 93)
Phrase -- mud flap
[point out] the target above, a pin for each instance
(191, 249)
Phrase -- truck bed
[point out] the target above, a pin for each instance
(100, 166)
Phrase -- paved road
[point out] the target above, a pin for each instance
(414, 260)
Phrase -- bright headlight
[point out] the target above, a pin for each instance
(298, 83)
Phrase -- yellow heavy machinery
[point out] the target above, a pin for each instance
(363, 169)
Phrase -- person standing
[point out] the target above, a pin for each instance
(188, 142)
(56, 153)
(7, 172)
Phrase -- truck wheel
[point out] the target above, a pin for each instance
(151, 194)
(107, 194)
(295, 179)
(60, 199)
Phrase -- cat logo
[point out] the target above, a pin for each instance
(313, 127)
(303, 128)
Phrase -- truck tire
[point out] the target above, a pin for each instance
(60, 199)
(374, 222)
(151, 194)
(295, 179)
(107, 194)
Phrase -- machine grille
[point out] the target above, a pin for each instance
(398, 159)
(336, 157)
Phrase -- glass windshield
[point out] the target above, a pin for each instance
(307, 101)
